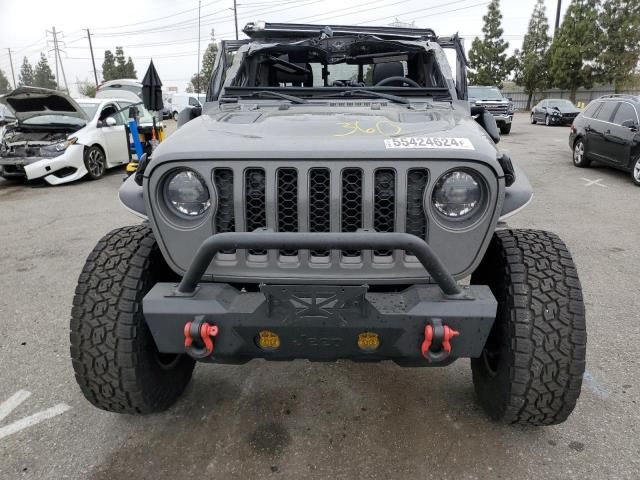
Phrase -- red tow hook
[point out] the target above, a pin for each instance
(441, 336)
(199, 338)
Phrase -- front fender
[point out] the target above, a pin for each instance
(131, 197)
(518, 195)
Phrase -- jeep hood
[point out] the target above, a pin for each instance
(29, 102)
(344, 130)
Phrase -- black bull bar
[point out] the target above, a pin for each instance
(321, 322)
(315, 241)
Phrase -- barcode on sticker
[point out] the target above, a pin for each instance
(429, 142)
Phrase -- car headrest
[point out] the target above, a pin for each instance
(387, 70)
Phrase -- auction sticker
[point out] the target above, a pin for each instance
(429, 142)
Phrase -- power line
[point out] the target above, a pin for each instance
(141, 22)
(480, 4)
(433, 7)
(187, 24)
(343, 10)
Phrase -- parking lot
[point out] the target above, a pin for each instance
(308, 420)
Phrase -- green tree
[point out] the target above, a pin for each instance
(531, 71)
(488, 58)
(209, 57)
(26, 73)
(129, 69)
(620, 21)
(87, 89)
(109, 66)
(208, 60)
(124, 68)
(5, 86)
(196, 86)
(575, 47)
(42, 74)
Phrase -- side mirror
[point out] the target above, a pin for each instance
(486, 121)
(631, 125)
(510, 99)
(110, 122)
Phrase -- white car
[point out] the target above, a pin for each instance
(61, 139)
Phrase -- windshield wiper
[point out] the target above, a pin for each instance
(269, 93)
(387, 96)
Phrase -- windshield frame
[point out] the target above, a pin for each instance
(227, 75)
(331, 93)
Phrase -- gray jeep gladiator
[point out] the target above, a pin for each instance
(335, 198)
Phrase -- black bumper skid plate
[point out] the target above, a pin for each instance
(320, 322)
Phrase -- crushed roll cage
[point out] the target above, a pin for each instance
(275, 33)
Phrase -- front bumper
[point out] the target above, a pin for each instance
(560, 120)
(33, 168)
(321, 322)
(502, 120)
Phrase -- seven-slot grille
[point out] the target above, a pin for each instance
(497, 109)
(319, 199)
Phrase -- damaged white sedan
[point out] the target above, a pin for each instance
(60, 139)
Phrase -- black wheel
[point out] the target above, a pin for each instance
(505, 129)
(580, 154)
(95, 161)
(531, 369)
(115, 359)
(635, 173)
(533, 119)
(175, 116)
(547, 121)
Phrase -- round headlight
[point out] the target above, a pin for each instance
(457, 194)
(187, 194)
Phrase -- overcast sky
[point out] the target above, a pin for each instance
(167, 30)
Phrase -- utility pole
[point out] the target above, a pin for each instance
(13, 75)
(198, 74)
(58, 57)
(235, 15)
(93, 61)
(55, 54)
(558, 16)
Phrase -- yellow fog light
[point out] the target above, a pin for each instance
(368, 341)
(268, 340)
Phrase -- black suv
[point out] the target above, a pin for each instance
(608, 132)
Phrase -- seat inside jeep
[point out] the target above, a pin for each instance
(356, 63)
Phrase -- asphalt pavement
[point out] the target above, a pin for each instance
(307, 420)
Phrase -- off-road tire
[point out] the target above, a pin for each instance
(114, 357)
(530, 372)
(505, 129)
(579, 155)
